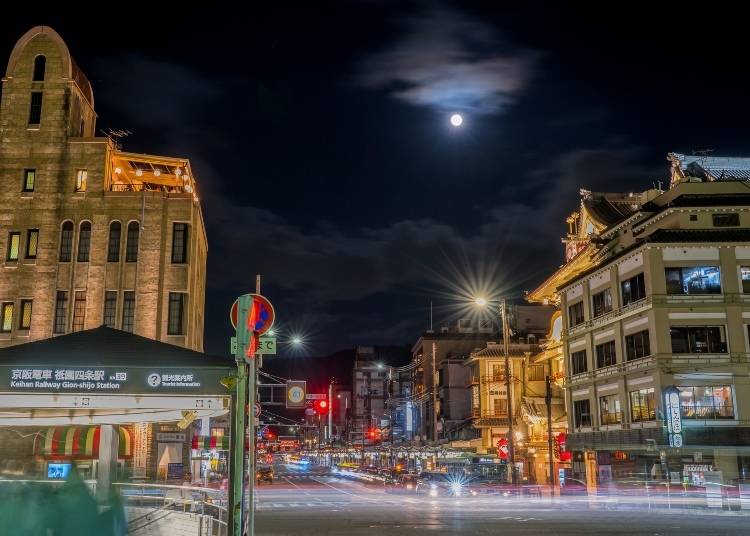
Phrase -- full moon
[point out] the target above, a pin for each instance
(456, 120)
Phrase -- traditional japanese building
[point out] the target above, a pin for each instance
(90, 235)
(655, 303)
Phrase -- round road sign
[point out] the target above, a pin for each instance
(256, 412)
(296, 394)
(265, 317)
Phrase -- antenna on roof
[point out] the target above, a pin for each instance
(115, 135)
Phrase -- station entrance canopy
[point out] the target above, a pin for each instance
(107, 376)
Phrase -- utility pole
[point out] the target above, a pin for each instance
(329, 432)
(511, 439)
(548, 401)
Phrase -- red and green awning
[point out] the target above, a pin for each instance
(211, 442)
(79, 443)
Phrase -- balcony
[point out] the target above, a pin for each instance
(611, 315)
(618, 368)
(489, 418)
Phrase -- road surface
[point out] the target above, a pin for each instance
(312, 501)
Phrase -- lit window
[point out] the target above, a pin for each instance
(745, 278)
(79, 310)
(642, 405)
(706, 402)
(81, 178)
(32, 243)
(40, 63)
(29, 178)
(14, 244)
(693, 280)
(131, 247)
(66, 241)
(35, 108)
(609, 410)
(61, 311)
(113, 248)
(84, 242)
(6, 322)
(128, 311)
(24, 321)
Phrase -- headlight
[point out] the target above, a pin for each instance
(456, 488)
(433, 492)
(433, 486)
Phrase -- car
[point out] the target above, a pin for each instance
(437, 483)
(405, 483)
(264, 474)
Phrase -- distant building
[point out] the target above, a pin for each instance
(90, 235)
(655, 299)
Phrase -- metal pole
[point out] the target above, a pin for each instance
(237, 467)
(548, 401)
(511, 439)
(434, 396)
(330, 412)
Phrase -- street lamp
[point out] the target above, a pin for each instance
(482, 302)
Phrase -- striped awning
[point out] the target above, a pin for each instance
(79, 443)
(211, 442)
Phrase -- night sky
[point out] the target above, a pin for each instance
(321, 143)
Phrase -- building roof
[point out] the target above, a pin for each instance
(108, 347)
(610, 208)
(711, 168)
(700, 235)
(514, 350)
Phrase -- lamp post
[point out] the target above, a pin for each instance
(506, 339)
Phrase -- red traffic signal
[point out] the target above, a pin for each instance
(321, 407)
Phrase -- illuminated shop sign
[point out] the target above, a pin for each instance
(674, 417)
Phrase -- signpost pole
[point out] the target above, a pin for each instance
(238, 428)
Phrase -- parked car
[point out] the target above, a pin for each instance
(264, 474)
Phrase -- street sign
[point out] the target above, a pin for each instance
(256, 411)
(295, 394)
(267, 346)
(265, 317)
(316, 396)
(233, 345)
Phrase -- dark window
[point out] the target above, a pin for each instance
(578, 364)
(84, 242)
(581, 413)
(693, 217)
(61, 311)
(66, 241)
(536, 373)
(40, 62)
(609, 410)
(6, 322)
(726, 220)
(605, 354)
(29, 178)
(35, 108)
(637, 345)
(179, 242)
(575, 314)
(110, 308)
(693, 280)
(642, 405)
(79, 310)
(745, 277)
(24, 321)
(113, 247)
(32, 243)
(14, 245)
(698, 340)
(633, 289)
(706, 402)
(128, 310)
(602, 302)
(176, 313)
(131, 246)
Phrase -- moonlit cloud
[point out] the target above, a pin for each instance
(449, 61)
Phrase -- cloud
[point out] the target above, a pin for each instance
(449, 61)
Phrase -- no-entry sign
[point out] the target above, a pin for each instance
(265, 317)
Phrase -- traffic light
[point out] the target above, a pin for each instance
(321, 407)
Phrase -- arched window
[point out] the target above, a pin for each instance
(131, 248)
(40, 63)
(66, 241)
(84, 242)
(113, 248)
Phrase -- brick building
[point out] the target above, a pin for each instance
(89, 234)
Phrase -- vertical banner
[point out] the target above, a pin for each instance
(142, 442)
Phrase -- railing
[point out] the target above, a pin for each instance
(611, 315)
(633, 364)
(163, 499)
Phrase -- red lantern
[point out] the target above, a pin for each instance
(502, 449)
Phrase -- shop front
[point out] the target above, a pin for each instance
(108, 403)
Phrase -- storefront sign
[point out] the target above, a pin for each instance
(127, 380)
(170, 437)
(142, 440)
(696, 468)
(674, 417)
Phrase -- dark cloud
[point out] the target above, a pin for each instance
(449, 61)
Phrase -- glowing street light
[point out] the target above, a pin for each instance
(296, 341)
(481, 302)
(457, 120)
